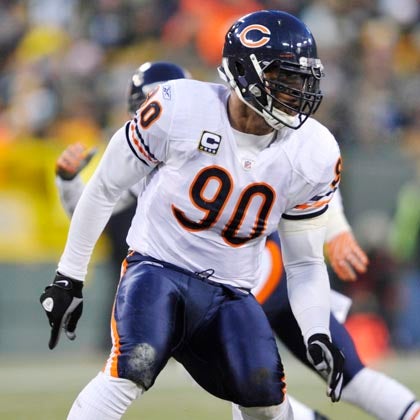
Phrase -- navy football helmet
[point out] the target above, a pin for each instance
(270, 60)
(147, 76)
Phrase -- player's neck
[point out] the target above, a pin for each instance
(244, 119)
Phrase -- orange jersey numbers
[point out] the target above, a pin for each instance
(213, 206)
(338, 169)
(150, 111)
(267, 195)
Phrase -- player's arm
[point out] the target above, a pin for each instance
(302, 234)
(117, 171)
(309, 292)
(345, 255)
(69, 183)
(67, 168)
(133, 152)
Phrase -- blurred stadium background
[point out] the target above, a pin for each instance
(64, 67)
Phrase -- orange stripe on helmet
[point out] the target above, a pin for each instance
(255, 44)
(275, 274)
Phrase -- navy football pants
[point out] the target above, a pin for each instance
(219, 333)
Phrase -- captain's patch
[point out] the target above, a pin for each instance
(209, 142)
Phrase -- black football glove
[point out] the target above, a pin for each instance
(329, 362)
(63, 303)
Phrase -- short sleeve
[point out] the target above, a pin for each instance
(319, 194)
(148, 132)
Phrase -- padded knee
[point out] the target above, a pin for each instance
(139, 366)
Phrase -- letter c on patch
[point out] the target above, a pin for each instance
(265, 36)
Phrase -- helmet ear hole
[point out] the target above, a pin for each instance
(240, 69)
(240, 72)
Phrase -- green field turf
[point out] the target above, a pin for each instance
(44, 389)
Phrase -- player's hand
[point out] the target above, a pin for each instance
(63, 303)
(73, 160)
(329, 362)
(346, 257)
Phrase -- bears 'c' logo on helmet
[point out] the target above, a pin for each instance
(264, 38)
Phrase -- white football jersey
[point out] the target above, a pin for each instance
(206, 206)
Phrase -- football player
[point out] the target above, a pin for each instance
(342, 251)
(226, 168)
(76, 156)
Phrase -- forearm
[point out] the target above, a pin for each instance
(307, 277)
(309, 295)
(309, 291)
(69, 192)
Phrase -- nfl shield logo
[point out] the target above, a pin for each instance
(248, 164)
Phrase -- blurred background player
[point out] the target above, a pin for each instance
(364, 387)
